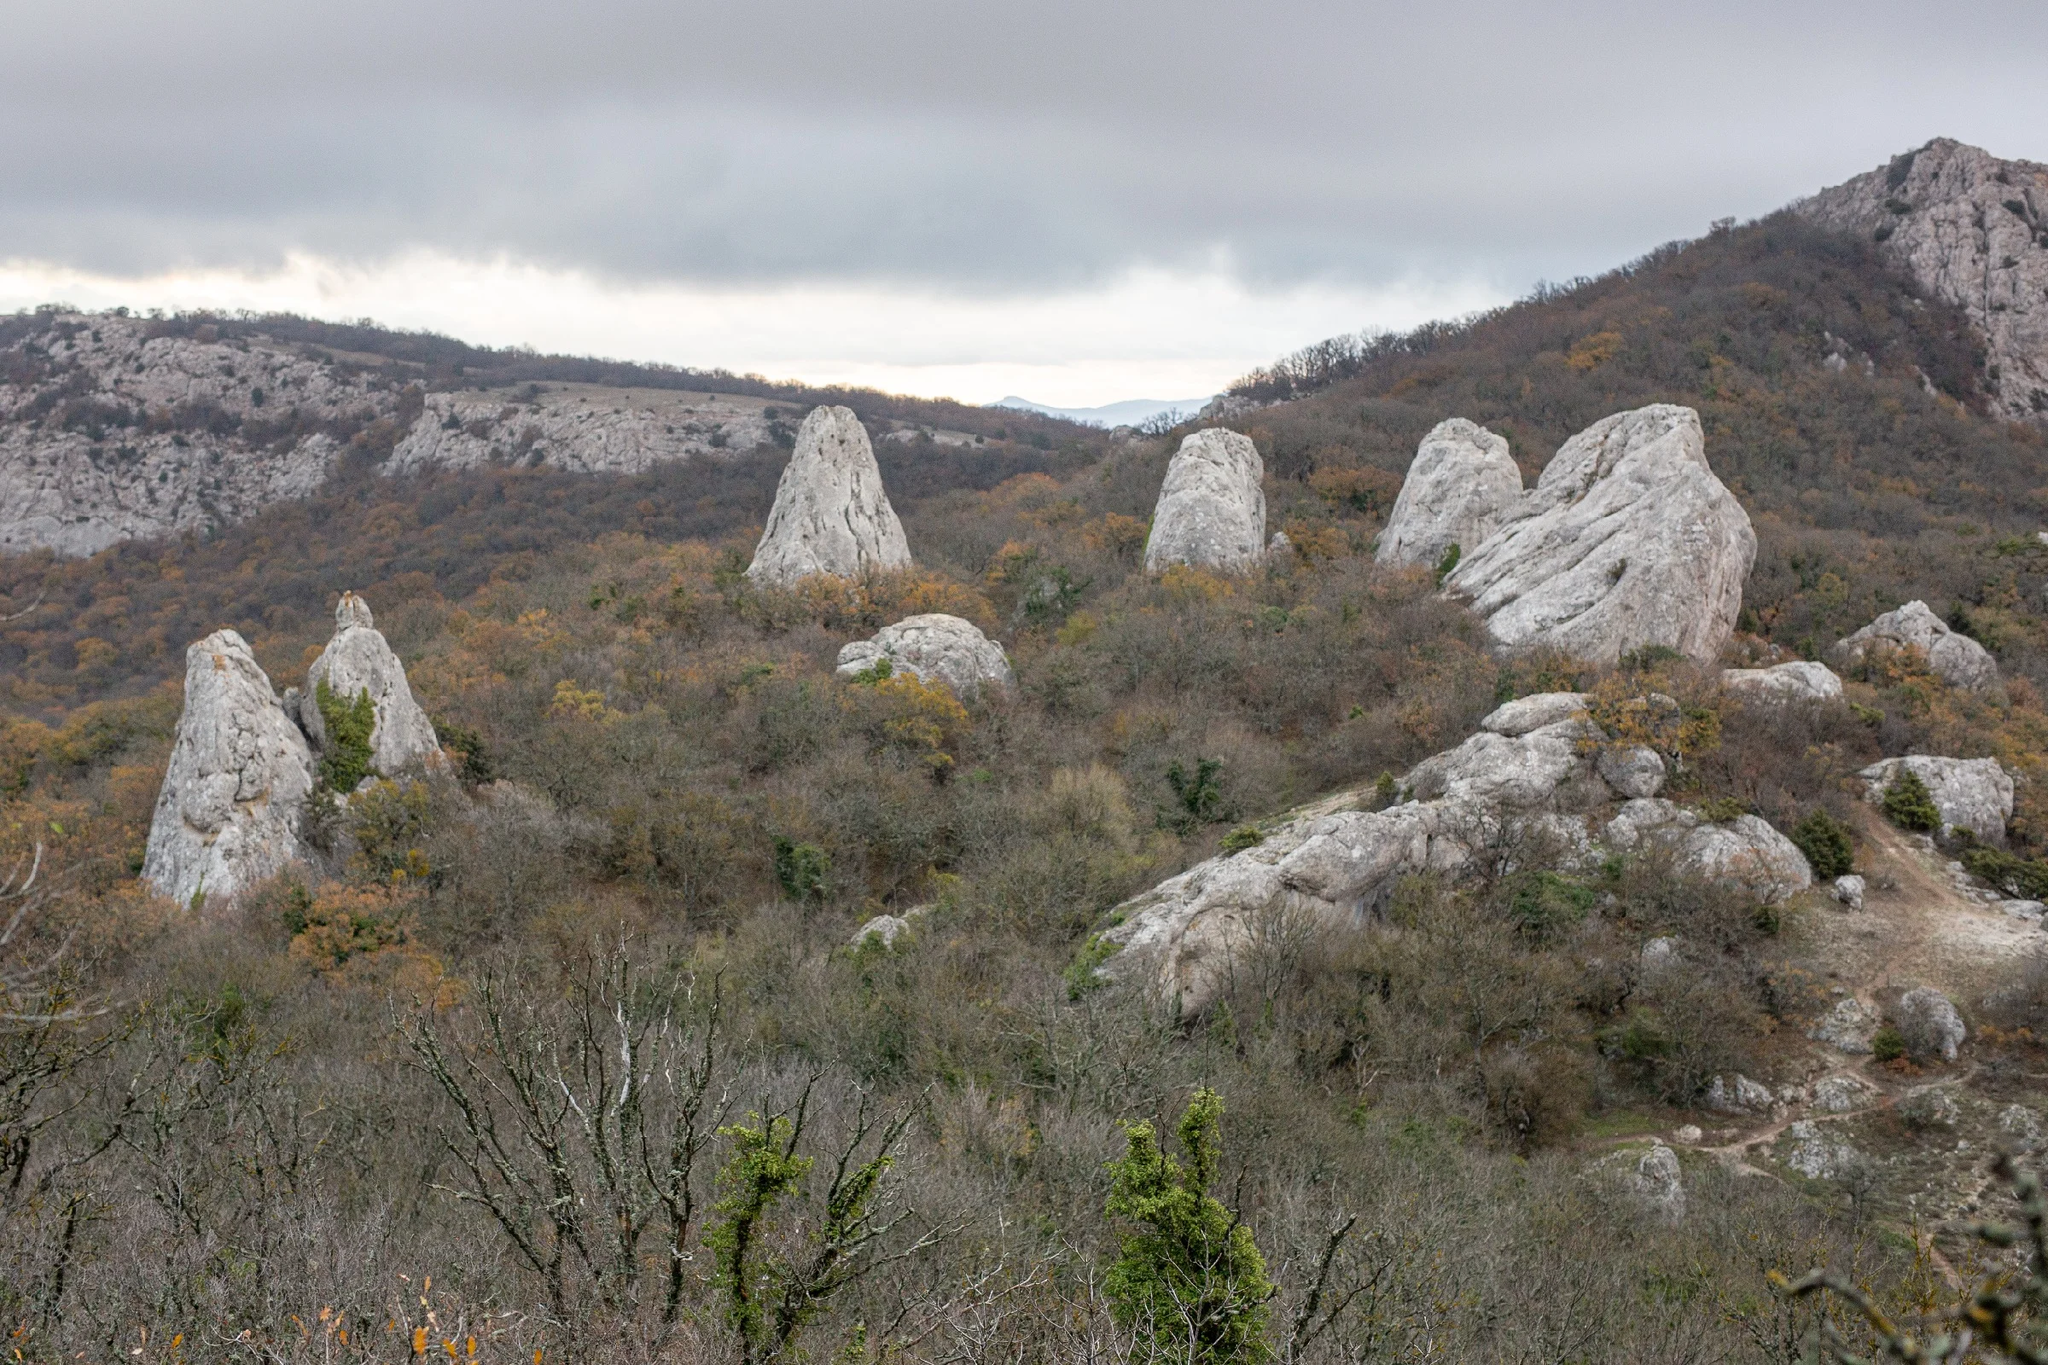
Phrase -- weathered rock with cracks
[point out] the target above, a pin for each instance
(1956, 658)
(831, 514)
(1930, 1022)
(937, 648)
(1972, 230)
(359, 660)
(1745, 852)
(1628, 540)
(1460, 487)
(1212, 508)
(1971, 793)
(229, 810)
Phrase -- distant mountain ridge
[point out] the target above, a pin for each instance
(1128, 413)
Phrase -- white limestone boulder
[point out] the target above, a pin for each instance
(1957, 659)
(357, 660)
(1847, 1027)
(1212, 508)
(1746, 852)
(229, 811)
(831, 514)
(1930, 1022)
(1628, 540)
(1971, 793)
(937, 648)
(1738, 1095)
(1800, 681)
(1460, 487)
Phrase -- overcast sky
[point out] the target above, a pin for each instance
(1080, 202)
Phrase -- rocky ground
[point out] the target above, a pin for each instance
(1913, 1144)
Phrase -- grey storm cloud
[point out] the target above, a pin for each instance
(971, 146)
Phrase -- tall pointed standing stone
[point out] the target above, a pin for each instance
(831, 513)
(228, 814)
(357, 660)
(1212, 509)
(1461, 486)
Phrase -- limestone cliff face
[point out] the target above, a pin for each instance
(1972, 230)
(117, 428)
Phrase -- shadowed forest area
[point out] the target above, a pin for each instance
(568, 1052)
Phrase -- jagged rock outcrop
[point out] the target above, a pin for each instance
(831, 514)
(1956, 658)
(357, 660)
(1739, 1095)
(1791, 682)
(1847, 1027)
(1627, 540)
(229, 810)
(1809, 1149)
(1971, 793)
(937, 648)
(1536, 797)
(1212, 507)
(114, 428)
(1459, 488)
(1972, 230)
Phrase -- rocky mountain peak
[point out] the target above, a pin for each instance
(1972, 230)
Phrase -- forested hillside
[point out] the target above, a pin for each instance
(567, 1048)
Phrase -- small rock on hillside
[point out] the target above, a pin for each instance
(1972, 230)
(1627, 540)
(1959, 660)
(1930, 1022)
(1793, 682)
(358, 659)
(937, 648)
(1971, 793)
(228, 813)
(831, 513)
(1212, 507)
(1461, 486)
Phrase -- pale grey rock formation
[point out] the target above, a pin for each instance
(1530, 797)
(2030, 911)
(167, 429)
(1460, 487)
(580, 428)
(1929, 1106)
(229, 810)
(1809, 1150)
(1524, 714)
(357, 660)
(1212, 508)
(1847, 1027)
(1957, 659)
(1689, 1134)
(1841, 1094)
(1930, 1022)
(1745, 852)
(1627, 540)
(1971, 793)
(1972, 230)
(831, 514)
(1631, 772)
(1791, 682)
(1849, 890)
(1658, 1182)
(2022, 1125)
(888, 928)
(1658, 954)
(1738, 1095)
(937, 648)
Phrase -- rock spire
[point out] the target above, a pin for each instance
(1211, 510)
(831, 513)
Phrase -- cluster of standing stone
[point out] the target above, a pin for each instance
(246, 760)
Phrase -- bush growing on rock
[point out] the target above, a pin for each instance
(1826, 843)
(1908, 804)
